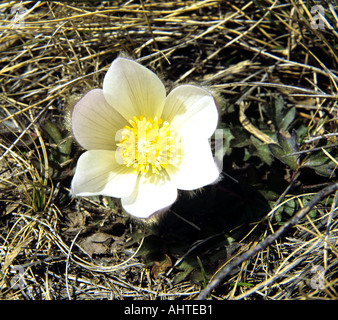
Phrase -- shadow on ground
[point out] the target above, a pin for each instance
(200, 233)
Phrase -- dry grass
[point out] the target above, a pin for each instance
(53, 246)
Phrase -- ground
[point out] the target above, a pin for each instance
(272, 66)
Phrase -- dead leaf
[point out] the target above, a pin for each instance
(161, 267)
(98, 243)
(251, 128)
(75, 221)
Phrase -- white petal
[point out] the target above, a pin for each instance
(98, 173)
(152, 193)
(191, 109)
(197, 168)
(133, 90)
(95, 122)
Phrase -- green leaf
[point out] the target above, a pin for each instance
(187, 266)
(279, 115)
(204, 284)
(227, 137)
(38, 201)
(63, 145)
(288, 145)
(241, 284)
(287, 119)
(319, 162)
(262, 150)
(241, 138)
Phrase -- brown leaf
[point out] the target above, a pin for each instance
(98, 243)
(75, 221)
(161, 267)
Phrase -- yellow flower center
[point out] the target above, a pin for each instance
(147, 143)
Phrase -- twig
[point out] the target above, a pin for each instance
(67, 262)
(266, 242)
(187, 221)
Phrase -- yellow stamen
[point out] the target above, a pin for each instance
(147, 143)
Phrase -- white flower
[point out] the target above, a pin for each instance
(143, 146)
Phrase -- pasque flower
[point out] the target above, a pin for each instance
(142, 146)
